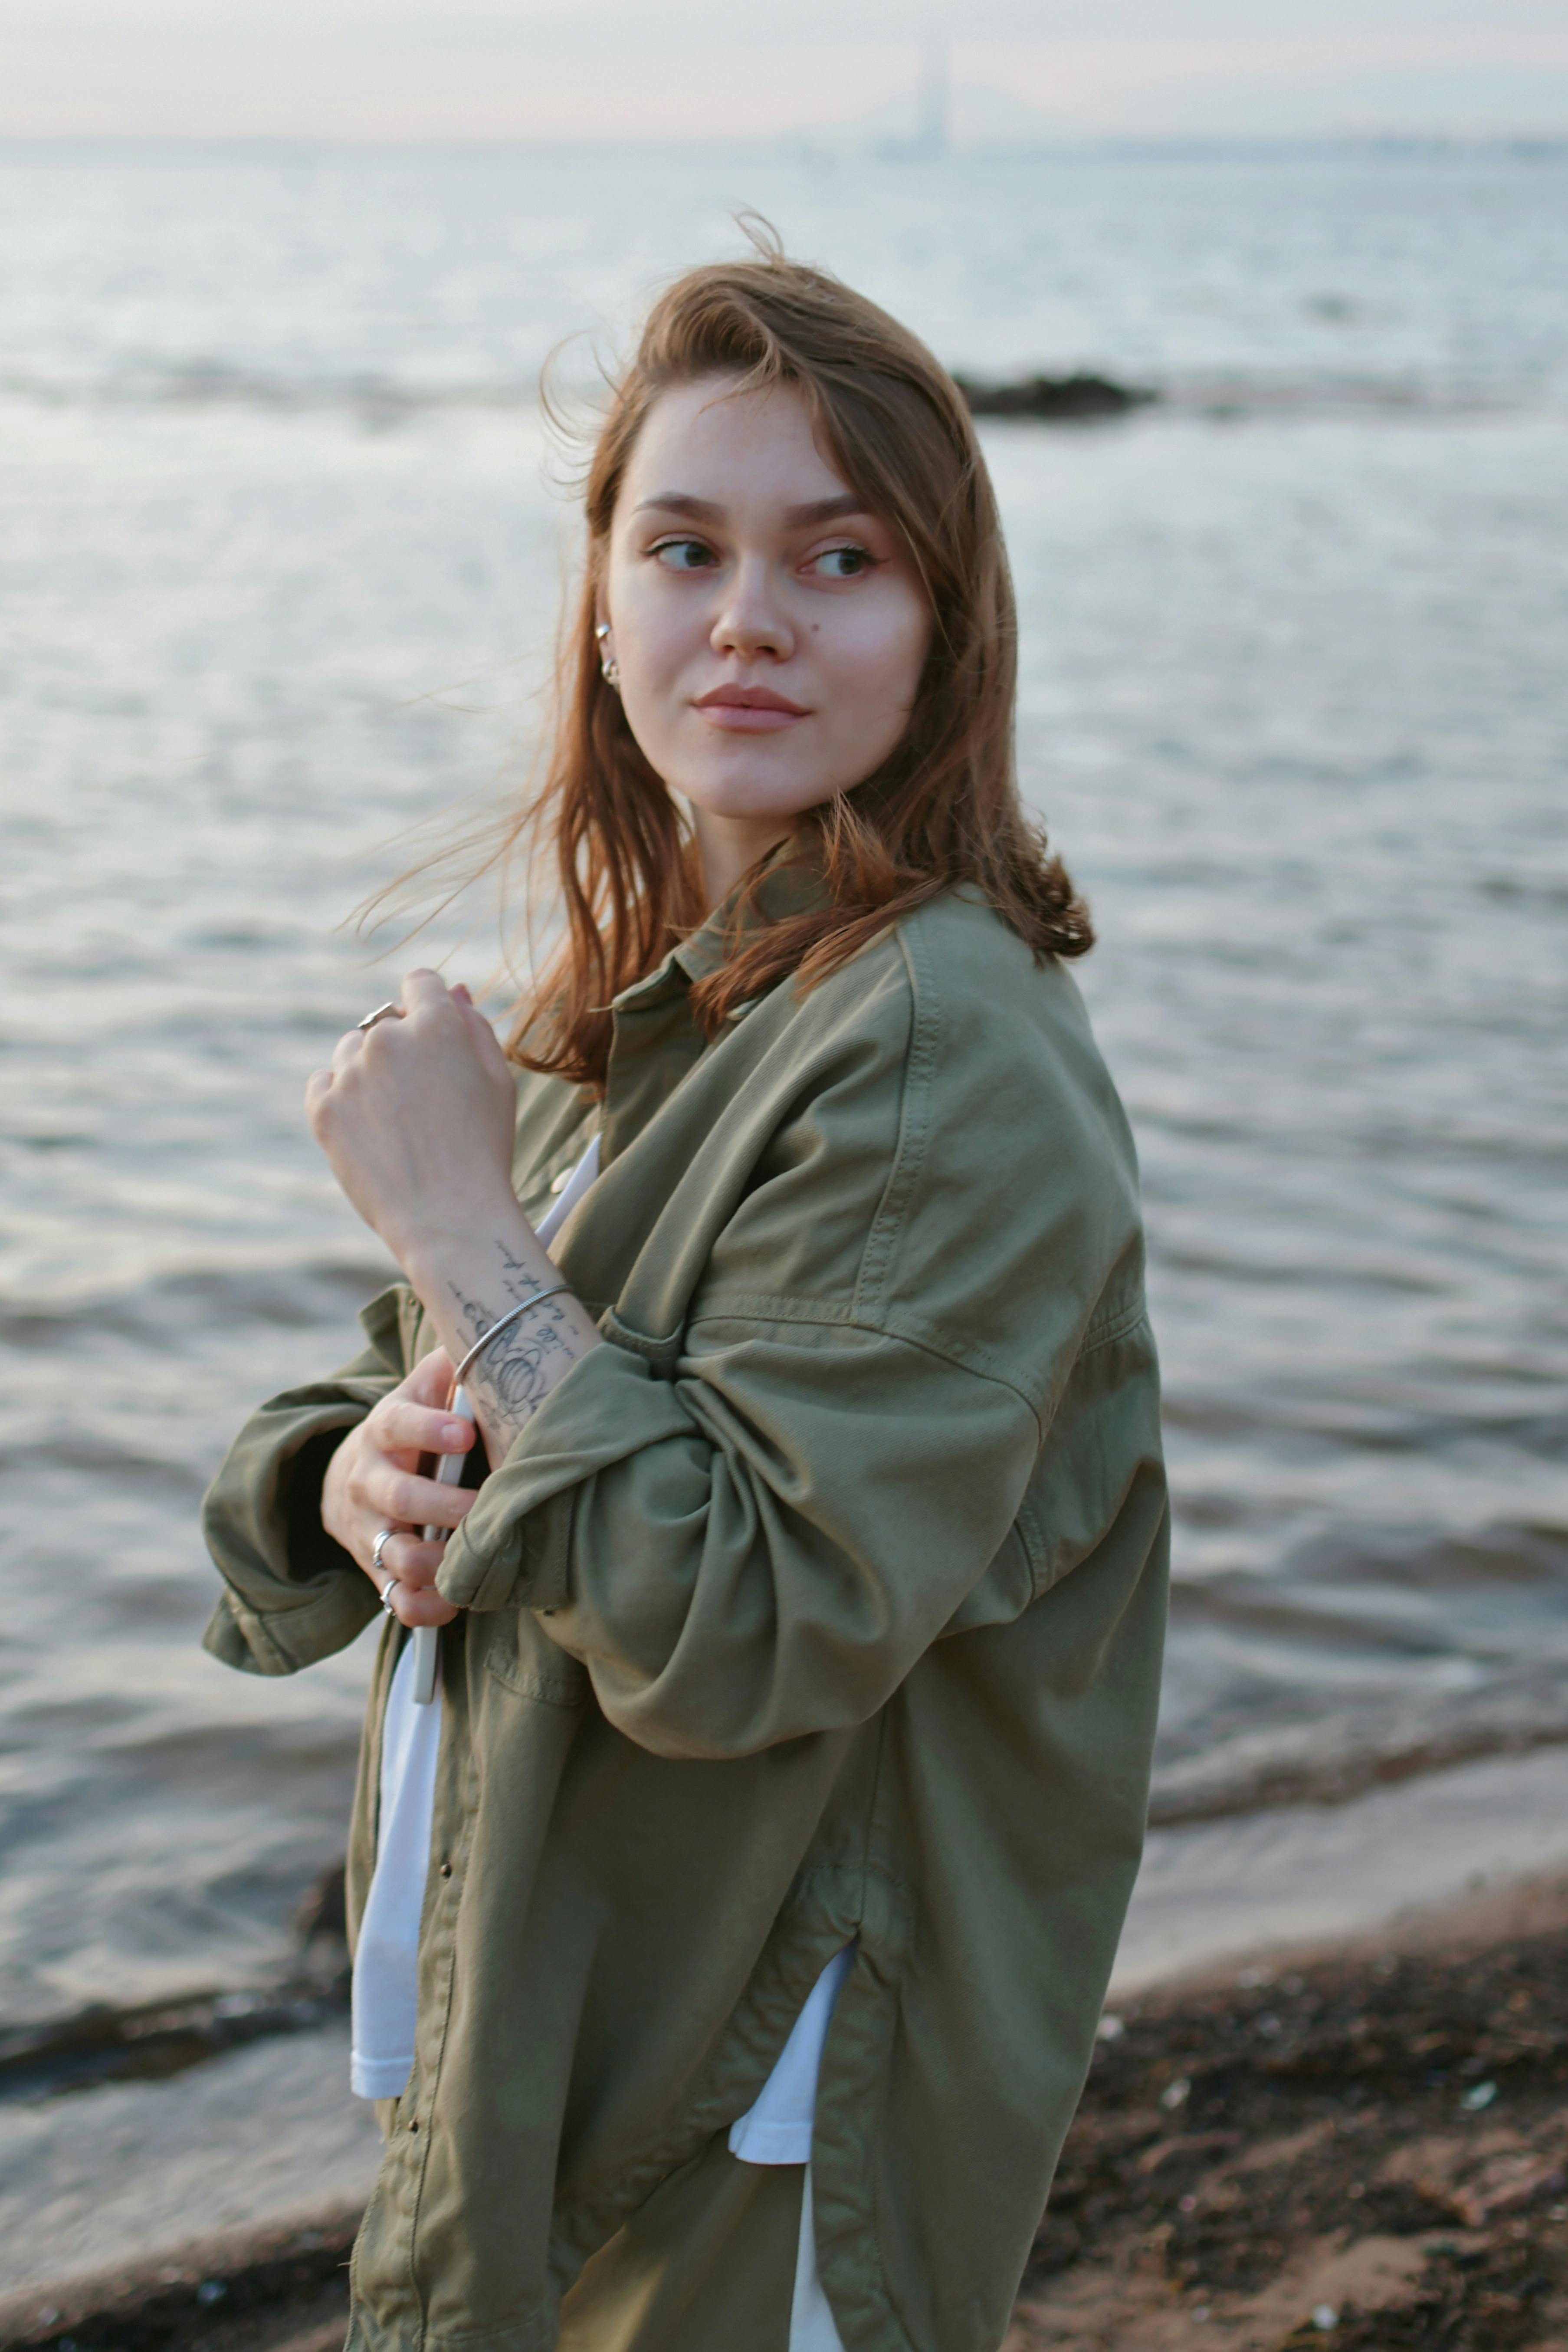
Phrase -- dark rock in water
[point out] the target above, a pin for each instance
(154, 2040)
(322, 1910)
(148, 2042)
(1055, 399)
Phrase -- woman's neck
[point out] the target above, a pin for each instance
(727, 847)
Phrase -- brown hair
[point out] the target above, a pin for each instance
(942, 809)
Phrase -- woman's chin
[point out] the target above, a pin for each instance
(749, 787)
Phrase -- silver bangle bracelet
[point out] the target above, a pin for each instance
(501, 1323)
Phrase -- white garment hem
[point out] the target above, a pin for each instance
(378, 2078)
(777, 2127)
(772, 2144)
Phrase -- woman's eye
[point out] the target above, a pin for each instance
(684, 554)
(842, 562)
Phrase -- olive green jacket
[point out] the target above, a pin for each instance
(827, 1601)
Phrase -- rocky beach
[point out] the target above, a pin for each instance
(1361, 2147)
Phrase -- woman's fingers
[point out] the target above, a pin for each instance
(430, 1383)
(421, 1608)
(402, 1498)
(345, 1054)
(373, 1481)
(417, 1118)
(411, 1560)
(403, 1427)
(486, 1044)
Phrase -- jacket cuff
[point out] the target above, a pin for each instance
(283, 1643)
(514, 1548)
(293, 1594)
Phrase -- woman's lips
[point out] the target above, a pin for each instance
(749, 709)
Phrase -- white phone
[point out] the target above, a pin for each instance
(427, 1638)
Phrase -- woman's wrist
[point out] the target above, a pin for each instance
(468, 1277)
(436, 1248)
(471, 1285)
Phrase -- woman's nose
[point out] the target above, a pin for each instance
(751, 618)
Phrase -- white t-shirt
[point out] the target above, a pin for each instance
(386, 1956)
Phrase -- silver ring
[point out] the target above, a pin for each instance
(387, 1589)
(387, 1012)
(379, 1546)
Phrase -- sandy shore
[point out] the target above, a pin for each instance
(1361, 2147)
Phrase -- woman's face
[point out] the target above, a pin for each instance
(770, 634)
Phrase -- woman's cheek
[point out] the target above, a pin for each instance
(872, 713)
(645, 716)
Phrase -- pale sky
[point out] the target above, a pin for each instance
(712, 69)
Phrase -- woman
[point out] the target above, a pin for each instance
(801, 1615)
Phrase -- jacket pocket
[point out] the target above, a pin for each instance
(522, 1661)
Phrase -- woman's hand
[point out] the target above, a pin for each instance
(417, 1116)
(373, 1481)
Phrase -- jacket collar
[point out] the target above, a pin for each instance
(792, 883)
(657, 1040)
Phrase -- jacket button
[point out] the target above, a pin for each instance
(413, 2123)
(447, 1870)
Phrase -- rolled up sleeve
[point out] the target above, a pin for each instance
(291, 1594)
(761, 1546)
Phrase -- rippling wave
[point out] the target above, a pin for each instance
(385, 400)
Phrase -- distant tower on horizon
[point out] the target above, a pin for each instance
(929, 139)
(932, 124)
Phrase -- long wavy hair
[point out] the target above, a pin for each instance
(942, 809)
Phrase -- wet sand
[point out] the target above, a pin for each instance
(1361, 2146)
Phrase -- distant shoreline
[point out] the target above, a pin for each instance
(791, 146)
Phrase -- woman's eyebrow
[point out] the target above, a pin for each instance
(681, 502)
(825, 509)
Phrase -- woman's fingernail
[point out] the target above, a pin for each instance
(455, 1432)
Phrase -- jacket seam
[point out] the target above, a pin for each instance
(1114, 1324)
(261, 1637)
(1031, 1536)
(909, 1149)
(773, 1307)
(906, 1331)
(681, 2137)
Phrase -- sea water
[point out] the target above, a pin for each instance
(281, 538)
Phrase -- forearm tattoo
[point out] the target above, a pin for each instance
(514, 1375)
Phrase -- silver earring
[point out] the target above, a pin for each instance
(609, 668)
